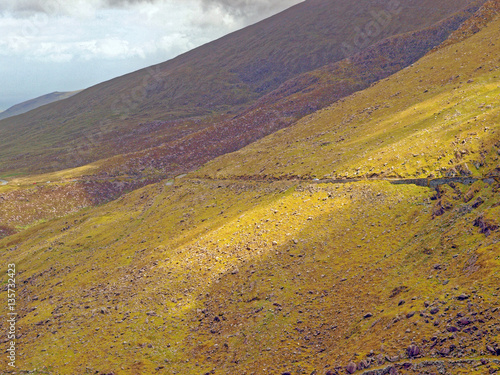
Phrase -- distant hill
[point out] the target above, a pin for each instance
(211, 83)
(29, 105)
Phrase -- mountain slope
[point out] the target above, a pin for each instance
(291, 101)
(443, 121)
(215, 80)
(473, 25)
(306, 93)
(277, 277)
(281, 281)
(29, 105)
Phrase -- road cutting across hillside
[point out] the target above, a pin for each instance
(423, 182)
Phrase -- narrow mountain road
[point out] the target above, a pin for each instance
(424, 182)
(431, 183)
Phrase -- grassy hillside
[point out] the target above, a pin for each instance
(29, 105)
(474, 24)
(439, 117)
(209, 83)
(291, 101)
(202, 276)
(258, 279)
(55, 194)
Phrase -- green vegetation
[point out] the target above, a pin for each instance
(236, 268)
(430, 119)
(246, 266)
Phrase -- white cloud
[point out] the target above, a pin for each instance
(249, 10)
(87, 29)
(55, 36)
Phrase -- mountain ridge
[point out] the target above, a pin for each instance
(35, 103)
(232, 76)
(372, 117)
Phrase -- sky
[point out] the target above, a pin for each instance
(66, 45)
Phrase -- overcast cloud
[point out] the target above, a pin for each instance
(64, 45)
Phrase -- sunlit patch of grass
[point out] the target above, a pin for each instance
(58, 176)
(261, 265)
(24, 227)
